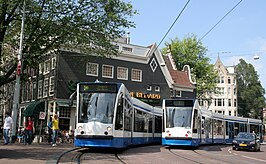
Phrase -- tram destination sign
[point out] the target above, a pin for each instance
(98, 88)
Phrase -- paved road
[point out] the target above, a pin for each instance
(31, 154)
(45, 154)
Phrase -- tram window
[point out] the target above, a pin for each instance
(195, 121)
(218, 127)
(139, 122)
(150, 125)
(119, 115)
(243, 128)
(158, 124)
(127, 119)
(254, 128)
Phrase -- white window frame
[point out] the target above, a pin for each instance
(149, 88)
(40, 68)
(178, 93)
(112, 71)
(51, 86)
(53, 63)
(45, 87)
(124, 73)
(40, 89)
(46, 67)
(157, 88)
(90, 65)
(140, 75)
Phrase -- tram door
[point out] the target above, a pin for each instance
(128, 121)
(230, 130)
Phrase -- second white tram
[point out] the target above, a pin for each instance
(186, 124)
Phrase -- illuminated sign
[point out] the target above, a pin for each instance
(145, 95)
(97, 87)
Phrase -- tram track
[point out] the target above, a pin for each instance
(80, 155)
(182, 157)
(199, 155)
(72, 155)
(212, 158)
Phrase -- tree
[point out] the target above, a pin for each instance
(87, 25)
(250, 93)
(190, 51)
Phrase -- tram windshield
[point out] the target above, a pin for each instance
(178, 117)
(96, 107)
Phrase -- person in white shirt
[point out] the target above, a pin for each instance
(7, 127)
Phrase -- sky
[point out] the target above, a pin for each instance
(241, 33)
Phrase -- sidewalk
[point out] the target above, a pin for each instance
(35, 153)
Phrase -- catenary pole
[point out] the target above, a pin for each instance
(16, 97)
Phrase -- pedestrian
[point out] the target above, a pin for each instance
(55, 128)
(7, 127)
(50, 130)
(29, 129)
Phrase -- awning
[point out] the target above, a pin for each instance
(34, 108)
(62, 103)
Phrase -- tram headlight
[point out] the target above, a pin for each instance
(109, 128)
(80, 128)
(188, 132)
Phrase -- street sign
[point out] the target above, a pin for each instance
(42, 115)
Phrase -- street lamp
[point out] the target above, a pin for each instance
(15, 106)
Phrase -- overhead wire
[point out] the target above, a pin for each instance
(173, 24)
(220, 21)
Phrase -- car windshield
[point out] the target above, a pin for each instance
(246, 136)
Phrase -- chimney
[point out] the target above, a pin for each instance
(128, 37)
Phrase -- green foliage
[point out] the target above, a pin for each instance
(190, 51)
(250, 93)
(85, 25)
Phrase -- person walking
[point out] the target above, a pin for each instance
(7, 127)
(29, 128)
(55, 128)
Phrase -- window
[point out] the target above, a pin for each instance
(129, 49)
(230, 113)
(219, 102)
(222, 79)
(122, 73)
(40, 89)
(34, 90)
(45, 87)
(108, 71)
(229, 102)
(177, 93)
(64, 112)
(149, 88)
(53, 63)
(157, 88)
(229, 80)
(92, 69)
(40, 68)
(136, 75)
(46, 67)
(51, 88)
(235, 103)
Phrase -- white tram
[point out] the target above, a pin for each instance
(107, 116)
(186, 124)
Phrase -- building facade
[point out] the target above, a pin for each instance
(148, 75)
(224, 100)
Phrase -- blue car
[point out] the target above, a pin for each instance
(246, 141)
